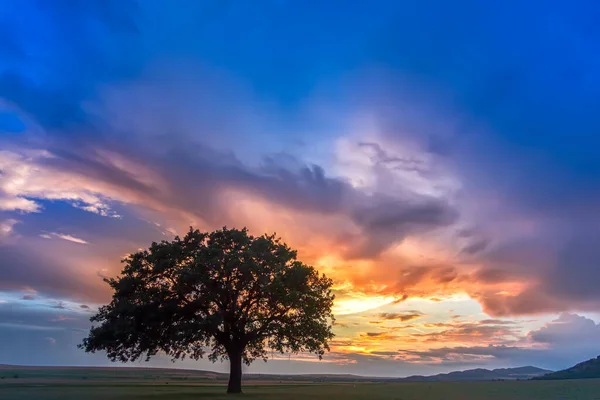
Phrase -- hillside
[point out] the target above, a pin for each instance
(586, 370)
(480, 374)
(150, 374)
(136, 374)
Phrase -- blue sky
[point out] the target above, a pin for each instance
(437, 159)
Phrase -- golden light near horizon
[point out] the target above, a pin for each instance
(359, 303)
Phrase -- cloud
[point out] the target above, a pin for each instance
(375, 334)
(558, 344)
(476, 246)
(493, 321)
(401, 299)
(75, 152)
(402, 317)
(568, 331)
(46, 273)
(25, 177)
(466, 332)
(6, 227)
(546, 197)
(387, 221)
(469, 355)
(21, 326)
(416, 170)
(64, 237)
(378, 336)
(28, 329)
(61, 318)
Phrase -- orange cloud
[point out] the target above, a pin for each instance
(402, 317)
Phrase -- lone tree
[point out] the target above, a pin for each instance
(226, 294)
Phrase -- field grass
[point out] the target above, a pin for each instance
(11, 389)
(71, 383)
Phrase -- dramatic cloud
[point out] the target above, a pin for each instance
(529, 179)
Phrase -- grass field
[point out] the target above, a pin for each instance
(542, 390)
(70, 383)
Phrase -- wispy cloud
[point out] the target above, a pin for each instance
(30, 175)
(19, 326)
(63, 236)
(6, 227)
(402, 317)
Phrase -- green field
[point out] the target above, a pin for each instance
(69, 383)
(559, 390)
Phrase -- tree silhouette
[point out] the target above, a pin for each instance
(225, 294)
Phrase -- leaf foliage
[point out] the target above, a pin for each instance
(214, 294)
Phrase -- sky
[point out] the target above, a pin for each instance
(437, 159)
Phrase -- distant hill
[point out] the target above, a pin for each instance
(136, 374)
(480, 374)
(586, 370)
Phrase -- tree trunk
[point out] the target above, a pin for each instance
(235, 372)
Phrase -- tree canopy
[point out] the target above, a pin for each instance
(224, 294)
